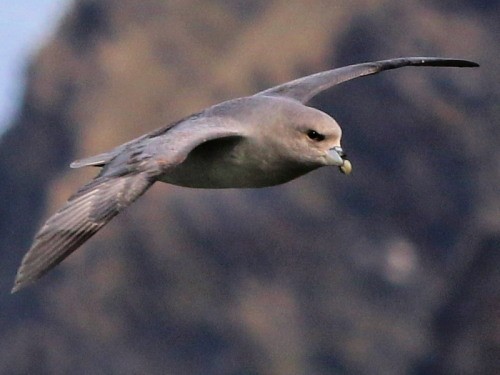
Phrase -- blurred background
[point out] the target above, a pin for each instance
(392, 270)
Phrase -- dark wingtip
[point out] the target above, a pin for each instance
(449, 62)
(464, 63)
(471, 64)
(425, 61)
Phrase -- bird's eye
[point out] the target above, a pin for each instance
(315, 136)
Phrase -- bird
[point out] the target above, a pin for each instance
(260, 140)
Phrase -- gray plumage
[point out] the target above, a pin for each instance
(262, 140)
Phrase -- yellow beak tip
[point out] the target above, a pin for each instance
(346, 168)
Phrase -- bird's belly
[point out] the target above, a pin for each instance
(220, 174)
(229, 163)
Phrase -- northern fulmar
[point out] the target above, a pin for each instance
(255, 141)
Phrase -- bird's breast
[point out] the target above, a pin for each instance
(218, 165)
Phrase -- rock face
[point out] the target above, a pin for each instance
(394, 270)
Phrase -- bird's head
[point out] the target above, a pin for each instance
(313, 138)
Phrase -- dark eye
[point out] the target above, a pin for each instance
(314, 135)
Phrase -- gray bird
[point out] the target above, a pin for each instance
(261, 140)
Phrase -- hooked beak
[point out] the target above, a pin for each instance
(336, 156)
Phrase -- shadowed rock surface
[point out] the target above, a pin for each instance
(393, 270)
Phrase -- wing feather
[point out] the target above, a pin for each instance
(305, 88)
(127, 172)
(85, 213)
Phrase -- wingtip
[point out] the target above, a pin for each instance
(14, 290)
(20, 283)
(468, 64)
(17, 287)
(459, 63)
(439, 61)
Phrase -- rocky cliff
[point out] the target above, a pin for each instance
(393, 270)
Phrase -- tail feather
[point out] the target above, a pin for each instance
(85, 213)
(93, 161)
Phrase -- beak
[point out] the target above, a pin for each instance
(336, 156)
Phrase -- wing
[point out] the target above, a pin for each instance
(128, 171)
(85, 213)
(177, 139)
(303, 89)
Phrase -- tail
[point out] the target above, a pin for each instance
(85, 213)
(94, 161)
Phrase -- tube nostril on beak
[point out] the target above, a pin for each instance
(340, 151)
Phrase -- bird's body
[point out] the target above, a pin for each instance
(242, 154)
(261, 140)
(251, 158)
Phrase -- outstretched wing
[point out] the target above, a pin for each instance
(128, 171)
(303, 89)
(92, 207)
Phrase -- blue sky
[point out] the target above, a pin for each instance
(24, 26)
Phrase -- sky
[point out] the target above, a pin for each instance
(24, 26)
